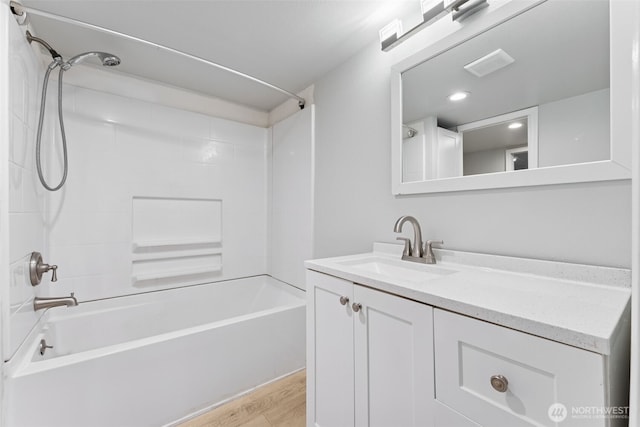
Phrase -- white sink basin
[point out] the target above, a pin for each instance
(398, 269)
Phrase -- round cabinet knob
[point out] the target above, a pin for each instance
(344, 300)
(356, 306)
(499, 383)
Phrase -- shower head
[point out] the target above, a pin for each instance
(107, 59)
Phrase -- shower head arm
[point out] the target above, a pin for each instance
(55, 55)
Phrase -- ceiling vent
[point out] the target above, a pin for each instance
(489, 63)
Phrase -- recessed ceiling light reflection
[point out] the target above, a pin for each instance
(515, 125)
(458, 96)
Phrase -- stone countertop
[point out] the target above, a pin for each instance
(567, 303)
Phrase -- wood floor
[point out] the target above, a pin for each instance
(279, 404)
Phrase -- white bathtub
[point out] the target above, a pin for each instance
(152, 359)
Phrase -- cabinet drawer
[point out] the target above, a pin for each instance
(443, 416)
(536, 372)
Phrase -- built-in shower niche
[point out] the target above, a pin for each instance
(175, 241)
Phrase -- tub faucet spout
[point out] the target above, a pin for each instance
(42, 303)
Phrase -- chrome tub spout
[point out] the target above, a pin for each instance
(42, 303)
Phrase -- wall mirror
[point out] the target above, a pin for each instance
(526, 100)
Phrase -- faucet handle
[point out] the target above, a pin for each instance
(428, 250)
(37, 268)
(407, 246)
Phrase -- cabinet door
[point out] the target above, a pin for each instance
(393, 360)
(330, 394)
(449, 154)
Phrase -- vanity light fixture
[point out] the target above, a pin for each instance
(515, 125)
(458, 96)
(390, 34)
(432, 10)
(466, 8)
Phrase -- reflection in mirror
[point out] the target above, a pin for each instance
(537, 60)
(517, 159)
(493, 148)
(490, 145)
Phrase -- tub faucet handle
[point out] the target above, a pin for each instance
(44, 346)
(43, 268)
(37, 268)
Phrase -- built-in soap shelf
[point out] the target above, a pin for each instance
(144, 244)
(176, 273)
(175, 241)
(171, 252)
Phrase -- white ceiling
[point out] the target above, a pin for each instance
(495, 136)
(288, 43)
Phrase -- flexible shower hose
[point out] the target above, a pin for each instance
(50, 68)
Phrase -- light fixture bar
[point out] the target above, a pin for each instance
(433, 10)
(467, 8)
(20, 10)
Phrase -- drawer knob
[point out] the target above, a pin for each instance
(356, 306)
(499, 383)
(344, 300)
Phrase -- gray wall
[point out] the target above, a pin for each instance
(484, 161)
(574, 130)
(583, 223)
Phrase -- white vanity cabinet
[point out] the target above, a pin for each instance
(377, 358)
(369, 364)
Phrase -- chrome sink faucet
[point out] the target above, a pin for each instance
(415, 252)
(42, 303)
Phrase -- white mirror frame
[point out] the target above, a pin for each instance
(624, 34)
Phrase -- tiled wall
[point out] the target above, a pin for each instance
(26, 197)
(121, 150)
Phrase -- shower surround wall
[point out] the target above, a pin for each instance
(124, 152)
(156, 197)
(291, 225)
(150, 188)
(136, 167)
(26, 198)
